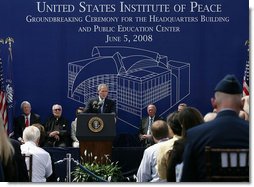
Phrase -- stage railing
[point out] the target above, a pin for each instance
(68, 160)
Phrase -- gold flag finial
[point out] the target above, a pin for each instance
(9, 40)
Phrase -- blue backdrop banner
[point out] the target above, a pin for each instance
(162, 52)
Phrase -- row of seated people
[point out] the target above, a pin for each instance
(56, 128)
(171, 139)
(58, 132)
(145, 136)
(177, 153)
(13, 162)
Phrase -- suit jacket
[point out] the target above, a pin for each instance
(15, 170)
(20, 162)
(19, 124)
(227, 130)
(145, 123)
(109, 106)
(144, 127)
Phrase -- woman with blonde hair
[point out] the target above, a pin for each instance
(6, 152)
(13, 163)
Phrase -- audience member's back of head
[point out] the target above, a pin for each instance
(181, 106)
(42, 134)
(190, 117)
(210, 116)
(160, 130)
(174, 124)
(31, 133)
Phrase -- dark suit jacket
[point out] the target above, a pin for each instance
(108, 107)
(1, 173)
(64, 129)
(19, 124)
(144, 127)
(15, 170)
(227, 130)
(20, 160)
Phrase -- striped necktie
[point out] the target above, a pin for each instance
(150, 125)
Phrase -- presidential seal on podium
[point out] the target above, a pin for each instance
(95, 124)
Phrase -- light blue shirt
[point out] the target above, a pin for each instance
(147, 171)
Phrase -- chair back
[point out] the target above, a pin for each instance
(29, 165)
(227, 164)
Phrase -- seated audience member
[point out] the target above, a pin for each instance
(175, 131)
(57, 129)
(210, 115)
(26, 119)
(244, 113)
(227, 130)
(147, 171)
(145, 134)
(188, 117)
(246, 104)
(181, 106)
(75, 142)
(22, 172)
(42, 166)
(11, 161)
(52, 177)
(42, 134)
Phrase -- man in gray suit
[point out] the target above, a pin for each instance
(145, 134)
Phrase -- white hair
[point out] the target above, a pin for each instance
(24, 103)
(56, 106)
(31, 133)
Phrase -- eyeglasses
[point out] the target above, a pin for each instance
(57, 109)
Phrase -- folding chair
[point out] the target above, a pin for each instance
(227, 164)
(29, 165)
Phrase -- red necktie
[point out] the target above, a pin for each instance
(27, 122)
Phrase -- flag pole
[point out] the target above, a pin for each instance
(10, 87)
(3, 111)
(9, 40)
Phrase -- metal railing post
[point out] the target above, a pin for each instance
(68, 167)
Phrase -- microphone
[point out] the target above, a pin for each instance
(95, 105)
(100, 103)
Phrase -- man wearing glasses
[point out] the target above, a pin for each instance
(57, 129)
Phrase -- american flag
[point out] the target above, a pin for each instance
(246, 79)
(246, 76)
(3, 103)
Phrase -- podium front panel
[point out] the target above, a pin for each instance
(91, 126)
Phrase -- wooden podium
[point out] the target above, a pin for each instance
(95, 133)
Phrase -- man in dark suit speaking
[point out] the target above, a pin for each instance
(227, 130)
(101, 104)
